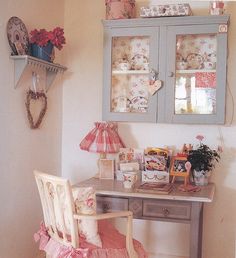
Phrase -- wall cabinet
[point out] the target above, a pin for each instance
(186, 56)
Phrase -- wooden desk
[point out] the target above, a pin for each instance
(173, 207)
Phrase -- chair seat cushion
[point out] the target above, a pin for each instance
(113, 245)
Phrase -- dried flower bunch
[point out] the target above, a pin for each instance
(42, 37)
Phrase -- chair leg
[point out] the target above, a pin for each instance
(129, 239)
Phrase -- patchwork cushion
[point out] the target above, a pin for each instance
(85, 203)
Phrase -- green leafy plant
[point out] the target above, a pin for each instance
(203, 158)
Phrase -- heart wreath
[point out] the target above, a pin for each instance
(35, 96)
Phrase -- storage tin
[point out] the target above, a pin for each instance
(120, 9)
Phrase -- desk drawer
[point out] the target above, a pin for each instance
(109, 204)
(167, 209)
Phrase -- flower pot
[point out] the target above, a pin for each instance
(45, 53)
(201, 177)
(120, 9)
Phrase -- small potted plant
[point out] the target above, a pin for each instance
(43, 41)
(203, 160)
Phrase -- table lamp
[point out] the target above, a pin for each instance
(102, 139)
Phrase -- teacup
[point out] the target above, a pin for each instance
(181, 65)
(129, 179)
(124, 66)
(209, 65)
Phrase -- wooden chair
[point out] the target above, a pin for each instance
(50, 189)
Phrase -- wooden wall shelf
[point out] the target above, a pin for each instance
(22, 62)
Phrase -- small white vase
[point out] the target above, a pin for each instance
(201, 177)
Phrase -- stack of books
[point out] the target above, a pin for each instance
(158, 188)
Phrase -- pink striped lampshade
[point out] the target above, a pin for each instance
(103, 138)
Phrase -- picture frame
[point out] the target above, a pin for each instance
(19, 48)
(106, 168)
(178, 166)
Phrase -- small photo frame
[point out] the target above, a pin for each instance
(178, 166)
(19, 48)
(106, 168)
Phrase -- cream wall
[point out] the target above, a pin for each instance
(82, 101)
(23, 149)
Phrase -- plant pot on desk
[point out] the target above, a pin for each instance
(45, 53)
(201, 178)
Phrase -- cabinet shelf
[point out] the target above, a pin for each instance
(22, 62)
(117, 72)
(196, 71)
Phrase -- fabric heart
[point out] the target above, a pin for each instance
(153, 87)
(36, 97)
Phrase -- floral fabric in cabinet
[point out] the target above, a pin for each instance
(130, 74)
(129, 93)
(196, 50)
(132, 50)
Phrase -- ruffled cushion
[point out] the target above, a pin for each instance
(113, 245)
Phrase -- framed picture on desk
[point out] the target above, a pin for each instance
(179, 168)
(106, 168)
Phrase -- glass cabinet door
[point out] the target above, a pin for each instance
(130, 74)
(130, 56)
(196, 75)
(195, 69)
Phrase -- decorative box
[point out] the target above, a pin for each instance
(119, 175)
(156, 163)
(216, 7)
(120, 9)
(155, 176)
(166, 10)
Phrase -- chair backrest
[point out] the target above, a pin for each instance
(58, 208)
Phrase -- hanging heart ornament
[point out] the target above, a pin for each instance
(36, 97)
(154, 86)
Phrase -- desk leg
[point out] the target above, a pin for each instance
(196, 230)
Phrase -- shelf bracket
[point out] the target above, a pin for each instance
(19, 68)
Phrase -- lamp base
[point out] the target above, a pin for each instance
(101, 156)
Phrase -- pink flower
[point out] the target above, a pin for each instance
(57, 37)
(200, 137)
(42, 37)
(90, 202)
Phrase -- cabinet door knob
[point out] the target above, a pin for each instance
(171, 74)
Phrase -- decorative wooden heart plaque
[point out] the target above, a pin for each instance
(35, 97)
(154, 86)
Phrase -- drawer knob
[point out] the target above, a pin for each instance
(165, 212)
(105, 207)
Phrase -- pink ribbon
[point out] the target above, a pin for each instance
(42, 236)
(70, 252)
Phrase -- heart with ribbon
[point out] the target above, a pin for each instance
(38, 98)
